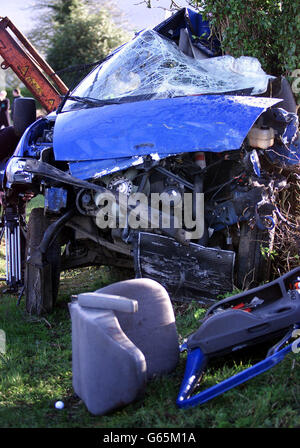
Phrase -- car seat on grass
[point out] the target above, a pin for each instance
(122, 336)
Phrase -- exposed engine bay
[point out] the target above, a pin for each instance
(165, 116)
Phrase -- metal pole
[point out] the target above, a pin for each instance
(19, 252)
(6, 253)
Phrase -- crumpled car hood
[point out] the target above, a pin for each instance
(165, 126)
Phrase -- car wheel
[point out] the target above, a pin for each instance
(41, 281)
(253, 262)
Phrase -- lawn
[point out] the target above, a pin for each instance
(36, 371)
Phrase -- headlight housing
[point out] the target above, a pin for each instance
(15, 173)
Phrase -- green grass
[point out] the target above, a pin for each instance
(36, 371)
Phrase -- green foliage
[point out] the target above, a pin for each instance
(265, 29)
(62, 10)
(268, 253)
(75, 32)
(36, 371)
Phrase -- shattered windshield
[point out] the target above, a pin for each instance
(153, 67)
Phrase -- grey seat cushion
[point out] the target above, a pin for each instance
(152, 329)
(109, 371)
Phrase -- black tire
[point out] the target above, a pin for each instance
(41, 281)
(252, 267)
(24, 114)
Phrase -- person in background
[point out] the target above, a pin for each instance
(4, 108)
(16, 94)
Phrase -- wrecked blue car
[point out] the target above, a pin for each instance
(165, 116)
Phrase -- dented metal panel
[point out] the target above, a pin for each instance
(94, 169)
(167, 126)
(191, 272)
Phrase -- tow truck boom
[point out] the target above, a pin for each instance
(29, 66)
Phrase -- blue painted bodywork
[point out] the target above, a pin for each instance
(285, 156)
(188, 18)
(93, 169)
(196, 362)
(26, 144)
(55, 199)
(196, 26)
(166, 126)
(101, 140)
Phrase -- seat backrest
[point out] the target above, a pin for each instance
(152, 328)
(122, 335)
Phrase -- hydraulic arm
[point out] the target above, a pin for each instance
(29, 66)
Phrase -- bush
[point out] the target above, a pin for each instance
(265, 29)
(81, 36)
